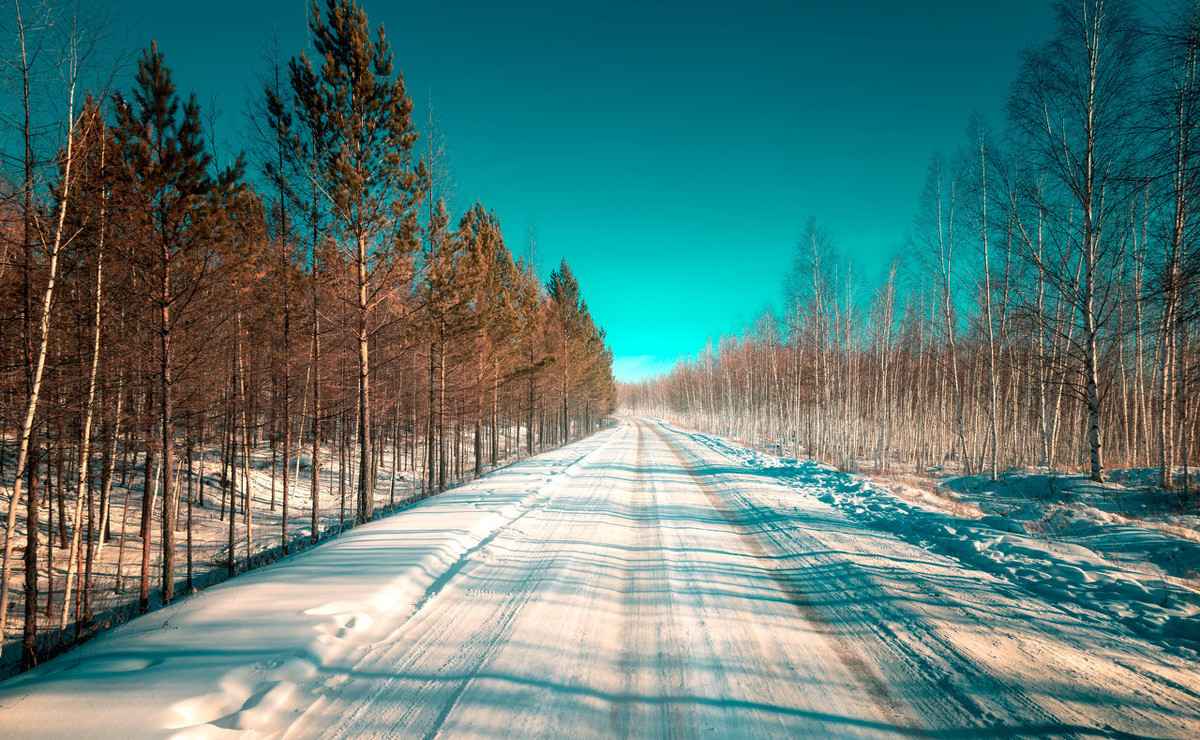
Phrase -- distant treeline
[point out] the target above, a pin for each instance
(1044, 310)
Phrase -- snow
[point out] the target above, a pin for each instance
(243, 654)
(1058, 536)
(114, 598)
(645, 581)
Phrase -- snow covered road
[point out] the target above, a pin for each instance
(637, 583)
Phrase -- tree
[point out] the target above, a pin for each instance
(36, 335)
(284, 144)
(165, 155)
(1174, 126)
(566, 311)
(151, 298)
(1072, 104)
(367, 174)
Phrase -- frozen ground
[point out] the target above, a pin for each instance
(647, 581)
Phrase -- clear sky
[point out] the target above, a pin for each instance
(670, 151)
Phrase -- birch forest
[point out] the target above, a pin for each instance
(1043, 309)
(206, 365)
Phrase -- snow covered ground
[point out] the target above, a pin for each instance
(1109, 552)
(648, 581)
(115, 574)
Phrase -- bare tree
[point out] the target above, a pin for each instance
(52, 238)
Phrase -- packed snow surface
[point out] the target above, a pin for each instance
(646, 581)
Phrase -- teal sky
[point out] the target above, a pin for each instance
(671, 152)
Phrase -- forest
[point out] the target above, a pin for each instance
(1043, 308)
(689, 369)
(205, 364)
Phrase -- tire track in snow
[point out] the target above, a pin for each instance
(619, 714)
(921, 654)
(847, 655)
(1086, 671)
(263, 696)
(437, 619)
(515, 603)
(647, 628)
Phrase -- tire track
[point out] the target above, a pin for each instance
(874, 684)
(931, 670)
(396, 656)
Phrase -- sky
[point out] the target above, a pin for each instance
(671, 152)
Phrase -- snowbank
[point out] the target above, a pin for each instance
(1053, 546)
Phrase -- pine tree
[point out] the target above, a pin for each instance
(566, 310)
(165, 154)
(367, 175)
